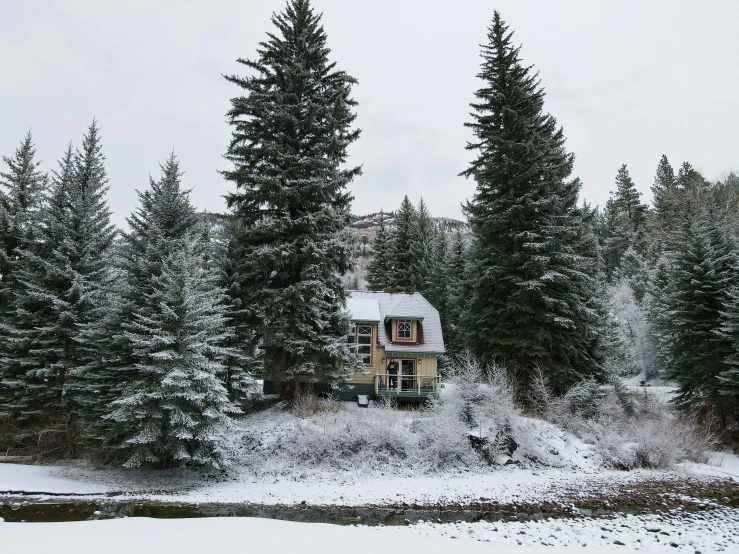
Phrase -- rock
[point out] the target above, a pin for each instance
(619, 543)
(654, 529)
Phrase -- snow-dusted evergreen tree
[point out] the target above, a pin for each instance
(703, 272)
(89, 236)
(659, 309)
(22, 190)
(729, 331)
(164, 219)
(63, 287)
(290, 134)
(458, 290)
(438, 279)
(634, 271)
(173, 409)
(625, 219)
(158, 393)
(532, 287)
(422, 249)
(689, 198)
(379, 267)
(245, 361)
(663, 196)
(402, 251)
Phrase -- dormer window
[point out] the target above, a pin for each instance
(404, 330)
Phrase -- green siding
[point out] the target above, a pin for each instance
(346, 393)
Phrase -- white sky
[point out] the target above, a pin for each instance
(628, 80)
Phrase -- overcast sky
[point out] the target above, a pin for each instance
(627, 80)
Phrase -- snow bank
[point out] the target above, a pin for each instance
(45, 479)
(157, 536)
(714, 530)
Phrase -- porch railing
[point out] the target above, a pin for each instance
(409, 384)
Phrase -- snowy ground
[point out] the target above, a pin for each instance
(507, 485)
(145, 536)
(715, 530)
(706, 532)
(670, 513)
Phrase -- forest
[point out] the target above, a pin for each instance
(144, 346)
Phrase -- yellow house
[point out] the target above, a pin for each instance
(399, 337)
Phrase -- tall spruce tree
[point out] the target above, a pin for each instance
(438, 278)
(164, 219)
(529, 305)
(625, 219)
(378, 269)
(63, 291)
(704, 270)
(157, 381)
(20, 204)
(729, 332)
(663, 195)
(422, 249)
(245, 361)
(173, 409)
(290, 134)
(402, 251)
(32, 366)
(458, 291)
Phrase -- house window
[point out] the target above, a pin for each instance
(362, 339)
(404, 330)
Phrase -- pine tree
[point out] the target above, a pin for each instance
(63, 287)
(290, 134)
(438, 279)
(20, 204)
(635, 273)
(659, 309)
(245, 362)
(422, 249)
(402, 277)
(164, 219)
(704, 270)
(625, 220)
(530, 297)
(89, 237)
(173, 409)
(36, 336)
(378, 269)
(729, 332)
(663, 195)
(457, 294)
(690, 193)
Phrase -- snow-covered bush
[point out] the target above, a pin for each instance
(386, 438)
(627, 432)
(653, 438)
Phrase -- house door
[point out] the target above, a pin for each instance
(408, 374)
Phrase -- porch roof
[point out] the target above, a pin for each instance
(366, 310)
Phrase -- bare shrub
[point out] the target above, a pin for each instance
(627, 432)
(305, 402)
(55, 437)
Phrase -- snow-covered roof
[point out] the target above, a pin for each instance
(366, 310)
(392, 305)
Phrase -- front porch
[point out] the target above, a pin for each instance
(393, 385)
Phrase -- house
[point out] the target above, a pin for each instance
(398, 335)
